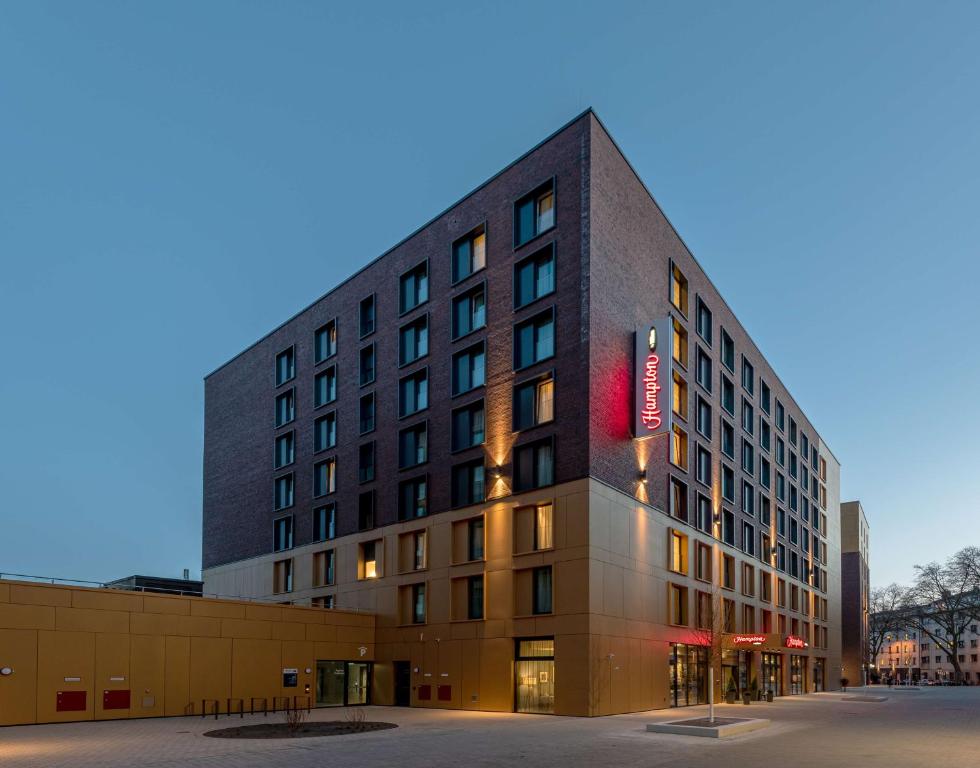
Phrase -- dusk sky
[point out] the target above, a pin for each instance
(176, 179)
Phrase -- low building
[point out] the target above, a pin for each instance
(165, 585)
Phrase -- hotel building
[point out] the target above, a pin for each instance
(536, 445)
(855, 592)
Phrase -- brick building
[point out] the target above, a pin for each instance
(456, 439)
(855, 592)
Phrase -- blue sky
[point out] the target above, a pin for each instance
(178, 178)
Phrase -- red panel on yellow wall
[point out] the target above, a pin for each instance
(70, 701)
(425, 693)
(445, 693)
(115, 699)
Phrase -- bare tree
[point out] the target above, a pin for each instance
(709, 631)
(941, 605)
(886, 615)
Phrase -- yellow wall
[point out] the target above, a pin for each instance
(169, 652)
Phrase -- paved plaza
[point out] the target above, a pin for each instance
(911, 728)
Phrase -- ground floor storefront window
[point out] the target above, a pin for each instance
(734, 671)
(688, 674)
(797, 675)
(534, 669)
(772, 674)
(342, 683)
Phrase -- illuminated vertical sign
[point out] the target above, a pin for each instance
(652, 379)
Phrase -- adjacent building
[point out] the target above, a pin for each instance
(534, 441)
(855, 592)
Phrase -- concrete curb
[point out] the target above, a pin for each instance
(717, 732)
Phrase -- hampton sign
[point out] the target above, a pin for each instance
(652, 379)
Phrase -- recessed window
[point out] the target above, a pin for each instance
(792, 431)
(727, 483)
(678, 499)
(705, 518)
(727, 395)
(285, 366)
(365, 511)
(418, 603)
(703, 417)
(413, 393)
(413, 341)
(366, 413)
(468, 426)
(325, 342)
(369, 565)
(469, 369)
(468, 483)
(703, 369)
(285, 408)
(412, 498)
(679, 344)
(474, 539)
(469, 311)
(748, 416)
(678, 398)
(420, 540)
(780, 486)
(469, 254)
(285, 450)
(282, 534)
(325, 432)
(765, 435)
(704, 465)
(678, 604)
(780, 452)
(727, 439)
(283, 492)
(765, 473)
(534, 276)
(366, 366)
(765, 397)
(325, 387)
(413, 288)
(702, 562)
(704, 321)
(534, 213)
(534, 402)
(325, 522)
(365, 463)
(324, 477)
(678, 447)
(748, 376)
(804, 447)
(780, 416)
(728, 527)
(534, 339)
(678, 289)
(541, 590)
(544, 527)
(474, 597)
(748, 499)
(727, 351)
(678, 552)
(282, 576)
(324, 568)
(534, 465)
(412, 446)
(366, 316)
(728, 577)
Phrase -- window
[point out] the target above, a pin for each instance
(369, 567)
(285, 366)
(748, 376)
(534, 465)
(679, 396)
(285, 452)
(412, 498)
(703, 417)
(678, 499)
(412, 449)
(727, 572)
(283, 492)
(703, 465)
(534, 213)
(678, 604)
(468, 483)
(534, 339)
(324, 568)
(468, 369)
(365, 511)
(366, 369)
(678, 552)
(702, 562)
(728, 527)
(765, 435)
(704, 516)
(727, 483)
(469, 254)
(544, 536)
(413, 393)
(468, 426)
(413, 341)
(325, 387)
(365, 463)
(704, 321)
(765, 396)
(727, 439)
(534, 276)
(413, 288)
(285, 408)
(678, 289)
(474, 597)
(325, 342)
(792, 431)
(748, 457)
(541, 579)
(678, 447)
(418, 603)
(366, 413)
(325, 432)
(469, 311)
(765, 473)
(748, 416)
(727, 351)
(282, 576)
(765, 510)
(366, 315)
(748, 539)
(324, 477)
(282, 534)
(474, 539)
(804, 447)
(325, 523)
(534, 402)
(419, 550)
(703, 370)
(781, 522)
(679, 344)
(780, 452)
(728, 395)
(793, 467)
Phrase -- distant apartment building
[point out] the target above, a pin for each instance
(534, 441)
(855, 591)
(911, 654)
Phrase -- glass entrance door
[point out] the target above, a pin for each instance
(772, 674)
(818, 675)
(357, 682)
(797, 675)
(534, 670)
(342, 683)
(688, 674)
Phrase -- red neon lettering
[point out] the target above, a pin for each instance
(749, 639)
(650, 412)
(795, 642)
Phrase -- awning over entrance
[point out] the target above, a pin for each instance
(763, 641)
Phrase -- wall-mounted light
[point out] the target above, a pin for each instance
(642, 475)
(497, 474)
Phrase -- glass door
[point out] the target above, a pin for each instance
(358, 674)
(330, 683)
(534, 670)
